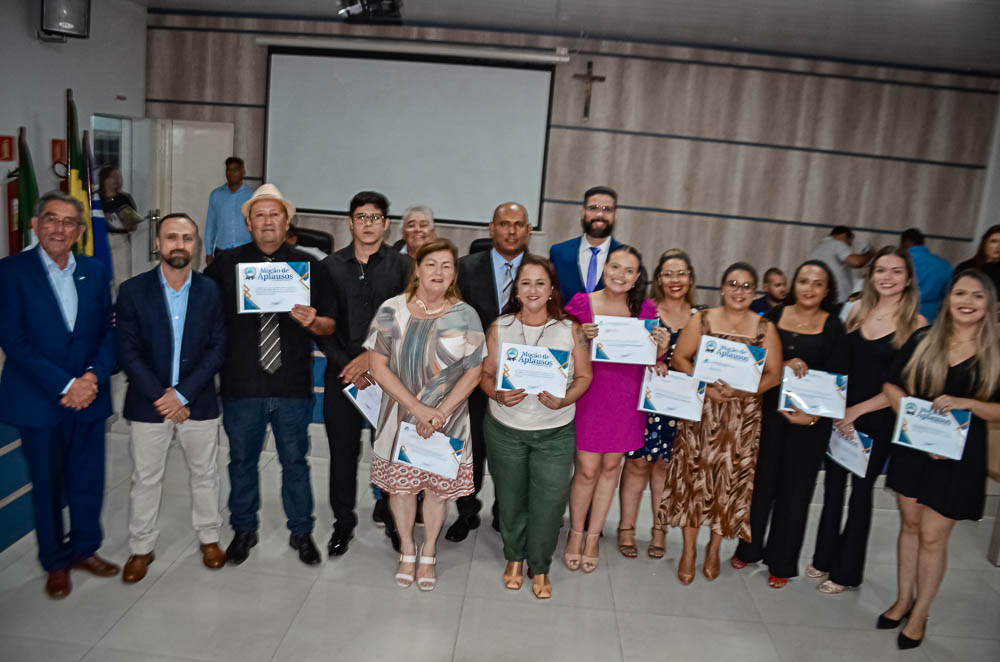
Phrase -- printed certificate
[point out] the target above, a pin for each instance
(818, 393)
(535, 369)
(438, 454)
(623, 340)
(921, 428)
(735, 363)
(852, 452)
(677, 395)
(271, 287)
(368, 401)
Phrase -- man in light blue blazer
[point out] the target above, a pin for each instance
(56, 334)
(579, 262)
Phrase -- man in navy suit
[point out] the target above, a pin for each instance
(579, 262)
(55, 330)
(171, 343)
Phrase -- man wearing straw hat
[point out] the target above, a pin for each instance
(267, 378)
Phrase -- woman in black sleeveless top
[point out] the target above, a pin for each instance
(792, 444)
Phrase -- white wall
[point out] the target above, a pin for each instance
(989, 211)
(35, 75)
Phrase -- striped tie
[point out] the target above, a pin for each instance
(507, 282)
(270, 343)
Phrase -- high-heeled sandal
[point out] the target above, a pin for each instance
(711, 568)
(737, 562)
(657, 551)
(776, 582)
(513, 575)
(427, 583)
(628, 550)
(403, 580)
(589, 563)
(541, 586)
(572, 561)
(831, 587)
(685, 566)
(812, 572)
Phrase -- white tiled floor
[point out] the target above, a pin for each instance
(275, 608)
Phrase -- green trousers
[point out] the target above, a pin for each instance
(531, 471)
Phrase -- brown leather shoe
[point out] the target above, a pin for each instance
(57, 587)
(212, 556)
(135, 567)
(95, 565)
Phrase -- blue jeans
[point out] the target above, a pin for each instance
(245, 421)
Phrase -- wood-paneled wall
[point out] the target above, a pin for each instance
(728, 155)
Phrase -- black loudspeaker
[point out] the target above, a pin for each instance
(70, 18)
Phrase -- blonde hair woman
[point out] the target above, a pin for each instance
(956, 365)
(877, 326)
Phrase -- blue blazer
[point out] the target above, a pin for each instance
(145, 346)
(42, 354)
(565, 256)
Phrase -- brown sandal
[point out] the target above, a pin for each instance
(656, 551)
(629, 551)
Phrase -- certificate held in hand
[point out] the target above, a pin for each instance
(852, 452)
(818, 393)
(624, 340)
(438, 454)
(271, 287)
(735, 363)
(535, 369)
(923, 429)
(367, 401)
(677, 395)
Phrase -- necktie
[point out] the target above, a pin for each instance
(592, 269)
(270, 341)
(508, 281)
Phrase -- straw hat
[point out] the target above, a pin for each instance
(268, 192)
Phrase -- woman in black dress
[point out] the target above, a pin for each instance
(792, 444)
(956, 365)
(987, 258)
(877, 326)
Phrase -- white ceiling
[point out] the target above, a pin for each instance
(953, 34)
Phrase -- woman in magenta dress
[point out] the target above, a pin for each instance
(608, 423)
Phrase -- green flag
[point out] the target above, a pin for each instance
(27, 190)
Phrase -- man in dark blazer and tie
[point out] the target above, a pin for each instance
(171, 343)
(56, 333)
(579, 262)
(485, 280)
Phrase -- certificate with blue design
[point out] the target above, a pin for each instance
(438, 454)
(271, 287)
(818, 393)
(535, 369)
(623, 340)
(735, 363)
(851, 452)
(676, 395)
(923, 429)
(368, 401)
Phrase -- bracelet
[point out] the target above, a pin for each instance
(814, 421)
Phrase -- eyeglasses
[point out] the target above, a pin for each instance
(737, 285)
(368, 219)
(69, 222)
(605, 208)
(675, 274)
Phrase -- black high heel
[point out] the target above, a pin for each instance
(905, 643)
(886, 623)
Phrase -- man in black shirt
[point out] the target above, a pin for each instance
(267, 378)
(366, 273)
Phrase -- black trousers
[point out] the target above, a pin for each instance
(343, 424)
(788, 463)
(841, 551)
(469, 506)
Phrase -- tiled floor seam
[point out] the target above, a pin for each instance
(291, 623)
(465, 595)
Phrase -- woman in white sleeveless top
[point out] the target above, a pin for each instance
(531, 439)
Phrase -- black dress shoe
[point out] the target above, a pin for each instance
(306, 548)
(239, 548)
(338, 542)
(886, 623)
(459, 531)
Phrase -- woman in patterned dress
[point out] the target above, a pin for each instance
(673, 292)
(710, 478)
(427, 350)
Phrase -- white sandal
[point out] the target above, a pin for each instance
(404, 580)
(812, 572)
(427, 583)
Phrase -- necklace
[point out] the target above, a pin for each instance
(431, 312)
(538, 339)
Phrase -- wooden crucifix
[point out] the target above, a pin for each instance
(588, 80)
